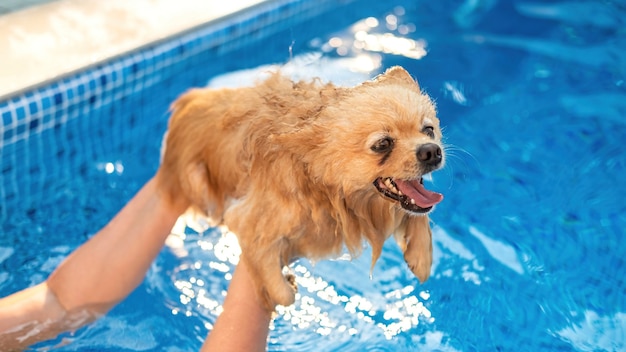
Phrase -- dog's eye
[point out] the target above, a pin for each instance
(429, 131)
(383, 146)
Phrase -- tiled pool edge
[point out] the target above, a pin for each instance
(55, 103)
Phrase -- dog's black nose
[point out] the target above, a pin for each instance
(429, 154)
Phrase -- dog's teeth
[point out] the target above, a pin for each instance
(412, 201)
(400, 193)
(391, 186)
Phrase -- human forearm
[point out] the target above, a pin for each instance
(244, 323)
(25, 311)
(92, 279)
(110, 265)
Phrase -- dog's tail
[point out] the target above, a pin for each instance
(181, 170)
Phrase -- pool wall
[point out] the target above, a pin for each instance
(63, 115)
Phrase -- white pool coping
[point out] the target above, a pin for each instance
(42, 43)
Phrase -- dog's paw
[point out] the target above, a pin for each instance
(420, 269)
(283, 296)
(291, 279)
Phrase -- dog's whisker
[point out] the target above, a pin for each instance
(454, 152)
(452, 149)
(458, 157)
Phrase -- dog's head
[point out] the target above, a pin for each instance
(407, 146)
(383, 137)
(373, 146)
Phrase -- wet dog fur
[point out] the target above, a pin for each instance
(304, 169)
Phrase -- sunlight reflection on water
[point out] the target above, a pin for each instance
(332, 301)
(347, 58)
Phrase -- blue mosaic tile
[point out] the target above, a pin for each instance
(58, 98)
(7, 117)
(8, 135)
(33, 125)
(46, 102)
(20, 129)
(20, 111)
(33, 107)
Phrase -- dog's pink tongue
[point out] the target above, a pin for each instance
(416, 191)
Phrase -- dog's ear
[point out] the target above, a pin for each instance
(415, 238)
(397, 75)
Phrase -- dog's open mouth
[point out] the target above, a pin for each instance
(411, 195)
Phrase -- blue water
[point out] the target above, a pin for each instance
(528, 240)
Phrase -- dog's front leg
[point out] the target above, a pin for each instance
(415, 238)
(265, 266)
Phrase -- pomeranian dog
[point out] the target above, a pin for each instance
(304, 169)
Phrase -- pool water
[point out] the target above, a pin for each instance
(528, 240)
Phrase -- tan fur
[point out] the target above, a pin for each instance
(288, 167)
